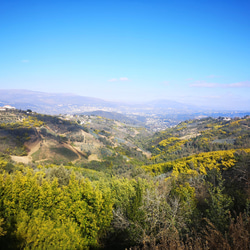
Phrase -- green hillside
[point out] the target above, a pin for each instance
(89, 182)
(32, 137)
(195, 136)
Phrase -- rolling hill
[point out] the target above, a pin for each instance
(114, 185)
(37, 138)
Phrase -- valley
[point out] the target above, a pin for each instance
(124, 125)
(116, 183)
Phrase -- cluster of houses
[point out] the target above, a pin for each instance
(7, 107)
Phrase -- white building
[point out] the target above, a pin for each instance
(8, 107)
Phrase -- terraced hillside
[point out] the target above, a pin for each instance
(32, 137)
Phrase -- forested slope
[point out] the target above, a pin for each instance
(196, 136)
(193, 192)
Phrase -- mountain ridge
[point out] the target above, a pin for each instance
(55, 103)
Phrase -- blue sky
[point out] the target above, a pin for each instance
(188, 51)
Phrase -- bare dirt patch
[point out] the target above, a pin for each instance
(189, 136)
(146, 153)
(20, 159)
(93, 157)
(32, 148)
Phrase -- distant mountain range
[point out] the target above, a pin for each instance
(58, 103)
(51, 103)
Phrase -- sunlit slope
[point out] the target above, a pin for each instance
(196, 136)
(32, 137)
(199, 164)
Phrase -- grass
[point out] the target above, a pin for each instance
(35, 156)
(65, 152)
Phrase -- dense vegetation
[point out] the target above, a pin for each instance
(196, 136)
(192, 192)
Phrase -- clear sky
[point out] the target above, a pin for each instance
(129, 50)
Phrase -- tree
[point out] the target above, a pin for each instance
(219, 204)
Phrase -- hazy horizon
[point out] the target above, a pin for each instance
(129, 51)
